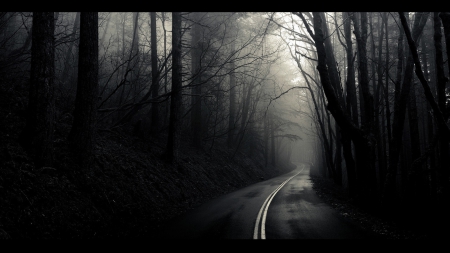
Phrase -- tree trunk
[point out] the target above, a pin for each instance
(196, 99)
(166, 104)
(133, 64)
(325, 139)
(154, 128)
(331, 61)
(352, 108)
(366, 169)
(360, 140)
(351, 89)
(415, 141)
(82, 134)
(444, 163)
(336, 168)
(266, 141)
(399, 118)
(377, 85)
(37, 136)
(232, 109)
(68, 59)
(338, 157)
(176, 97)
(386, 97)
(430, 126)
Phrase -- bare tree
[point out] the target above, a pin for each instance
(173, 141)
(37, 136)
(82, 134)
(196, 72)
(155, 75)
(399, 117)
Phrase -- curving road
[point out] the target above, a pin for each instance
(285, 207)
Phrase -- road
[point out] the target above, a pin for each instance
(285, 207)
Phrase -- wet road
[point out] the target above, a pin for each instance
(285, 207)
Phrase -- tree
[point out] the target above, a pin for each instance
(65, 78)
(82, 134)
(361, 137)
(155, 74)
(173, 141)
(232, 109)
(37, 136)
(401, 101)
(196, 72)
(444, 158)
(439, 116)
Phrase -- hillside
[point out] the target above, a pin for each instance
(129, 192)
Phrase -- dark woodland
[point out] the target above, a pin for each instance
(113, 123)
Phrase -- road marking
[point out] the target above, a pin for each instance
(265, 206)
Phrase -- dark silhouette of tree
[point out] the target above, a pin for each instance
(82, 134)
(155, 75)
(173, 141)
(232, 107)
(439, 116)
(196, 72)
(37, 136)
(362, 138)
(444, 106)
(399, 116)
(65, 78)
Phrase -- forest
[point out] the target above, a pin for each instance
(112, 120)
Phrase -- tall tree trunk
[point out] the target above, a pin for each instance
(134, 57)
(399, 118)
(321, 123)
(272, 142)
(352, 107)
(362, 112)
(327, 139)
(266, 140)
(37, 136)
(444, 158)
(154, 128)
(430, 125)
(415, 140)
(366, 169)
(132, 69)
(386, 96)
(331, 61)
(338, 157)
(196, 99)
(378, 88)
(336, 168)
(360, 140)
(331, 167)
(82, 134)
(443, 128)
(232, 109)
(68, 59)
(445, 17)
(173, 142)
(124, 68)
(166, 106)
(351, 89)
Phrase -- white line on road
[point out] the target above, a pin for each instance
(263, 211)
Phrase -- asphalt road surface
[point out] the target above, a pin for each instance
(285, 207)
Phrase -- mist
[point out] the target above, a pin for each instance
(187, 106)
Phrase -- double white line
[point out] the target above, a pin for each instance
(264, 207)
